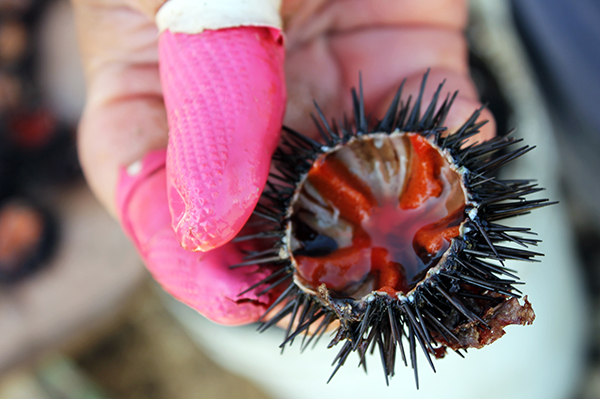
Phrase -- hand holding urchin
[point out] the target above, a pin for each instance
(391, 227)
(218, 160)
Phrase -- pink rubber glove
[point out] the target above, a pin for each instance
(201, 280)
(224, 97)
(224, 128)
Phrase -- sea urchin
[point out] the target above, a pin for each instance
(391, 229)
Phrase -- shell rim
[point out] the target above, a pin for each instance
(287, 252)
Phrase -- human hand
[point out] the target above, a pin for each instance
(123, 132)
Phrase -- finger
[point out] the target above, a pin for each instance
(409, 53)
(312, 74)
(383, 56)
(201, 280)
(124, 115)
(386, 56)
(307, 19)
(464, 105)
(225, 97)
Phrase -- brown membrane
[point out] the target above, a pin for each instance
(375, 215)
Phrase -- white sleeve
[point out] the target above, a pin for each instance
(194, 16)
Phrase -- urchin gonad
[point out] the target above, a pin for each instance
(392, 228)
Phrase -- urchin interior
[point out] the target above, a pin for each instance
(374, 214)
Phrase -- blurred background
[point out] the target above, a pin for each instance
(79, 315)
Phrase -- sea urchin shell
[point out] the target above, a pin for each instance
(391, 228)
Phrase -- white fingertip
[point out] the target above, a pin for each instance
(194, 16)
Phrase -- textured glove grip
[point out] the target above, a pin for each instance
(225, 97)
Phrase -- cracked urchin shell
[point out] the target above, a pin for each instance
(391, 228)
